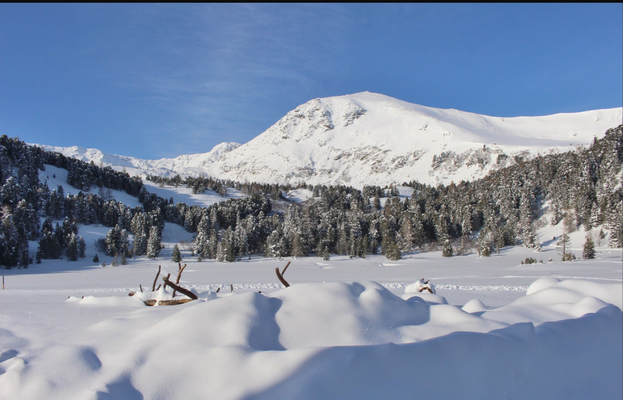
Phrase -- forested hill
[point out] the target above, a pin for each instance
(503, 208)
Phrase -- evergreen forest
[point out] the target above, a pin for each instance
(582, 187)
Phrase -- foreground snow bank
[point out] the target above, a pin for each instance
(337, 341)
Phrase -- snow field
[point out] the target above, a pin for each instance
(344, 329)
(319, 340)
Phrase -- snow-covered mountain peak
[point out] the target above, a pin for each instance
(372, 139)
(369, 138)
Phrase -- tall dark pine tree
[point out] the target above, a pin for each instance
(589, 249)
(153, 243)
(447, 249)
(140, 230)
(10, 240)
(176, 256)
(72, 248)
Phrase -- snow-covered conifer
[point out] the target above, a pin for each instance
(153, 242)
(176, 256)
(588, 252)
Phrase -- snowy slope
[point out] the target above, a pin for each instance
(368, 138)
(334, 340)
(190, 164)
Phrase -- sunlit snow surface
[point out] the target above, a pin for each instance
(345, 329)
(333, 334)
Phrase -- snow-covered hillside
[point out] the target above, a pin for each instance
(368, 138)
(190, 164)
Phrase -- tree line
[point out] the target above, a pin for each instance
(583, 185)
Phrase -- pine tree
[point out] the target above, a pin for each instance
(447, 249)
(568, 227)
(203, 235)
(139, 228)
(177, 256)
(153, 243)
(227, 246)
(81, 247)
(72, 248)
(376, 203)
(273, 247)
(530, 237)
(124, 243)
(9, 239)
(112, 241)
(589, 249)
(220, 255)
(96, 259)
(390, 249)
(211, 247)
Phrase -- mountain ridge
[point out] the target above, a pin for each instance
(372, 139)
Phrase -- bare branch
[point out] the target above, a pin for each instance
(280, 276)
(179, 275)
(173, 302)
(153, 287)
(179, 288)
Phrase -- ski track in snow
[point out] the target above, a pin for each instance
(388, 285)
(277, 286)
(566, 277)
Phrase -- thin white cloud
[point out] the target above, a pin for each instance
(213, 65)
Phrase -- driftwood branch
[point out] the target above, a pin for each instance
(153, 287)
(425, 287)
(179, 275)
(173, 302)
(280, 275)
(180, 289)
(166, 302)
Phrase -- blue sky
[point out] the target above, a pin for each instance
(162, 80)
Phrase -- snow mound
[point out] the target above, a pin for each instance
(336, 341)
(541, 284)
(421, 286)
(474, 306)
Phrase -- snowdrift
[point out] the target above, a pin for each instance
(335, 341)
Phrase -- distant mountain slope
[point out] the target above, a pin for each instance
(368, 138)
(190, 164)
